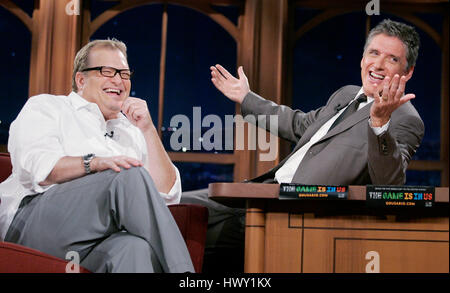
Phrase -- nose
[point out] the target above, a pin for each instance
(116, 79)
(378, 63)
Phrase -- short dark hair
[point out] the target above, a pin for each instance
(405, 33)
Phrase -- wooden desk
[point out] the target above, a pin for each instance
(343, 236)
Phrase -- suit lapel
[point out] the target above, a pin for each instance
(342, 100)
(360, 115)
(313, 129)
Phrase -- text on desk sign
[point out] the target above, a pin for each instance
(400, 196)
(301, 192)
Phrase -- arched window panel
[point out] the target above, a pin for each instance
(303, 15)
(194, 43)
(99, 6)
(423, 178)
(196, 176)
(426, 85)
(326, 58)
(140, 30)
(229, 11)
(26, 5)
(433, 19)
(14, 76)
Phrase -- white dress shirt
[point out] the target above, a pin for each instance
(51, 127)
(287, 171)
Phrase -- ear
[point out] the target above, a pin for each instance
(409, 73)
(80, 80)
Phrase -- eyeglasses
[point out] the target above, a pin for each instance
(111, 71)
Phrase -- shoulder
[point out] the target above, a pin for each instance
(353, 89)
(348, 90)
(406, 118)
(46, 100)
(44, 104)
(344, 94)
(406, 110)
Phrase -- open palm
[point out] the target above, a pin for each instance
(233, 88)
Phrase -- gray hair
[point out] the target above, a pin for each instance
(405, 33)
(81, 59)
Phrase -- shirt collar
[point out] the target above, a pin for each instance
(361, 91)
(78, 102)
(121, 119)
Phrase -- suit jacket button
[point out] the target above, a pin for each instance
(384, 149)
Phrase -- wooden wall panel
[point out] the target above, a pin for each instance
(55, 41)
(284, 234)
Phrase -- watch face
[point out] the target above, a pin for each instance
(88, 156)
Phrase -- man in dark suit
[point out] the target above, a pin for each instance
(363, 135)
(372, 144)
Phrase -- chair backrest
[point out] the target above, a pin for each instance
(5, 166)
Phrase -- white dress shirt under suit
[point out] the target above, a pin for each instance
(287, 171)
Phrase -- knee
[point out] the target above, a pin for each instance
(135, 245)
(137, 183)
(133, 172)
(134, 177)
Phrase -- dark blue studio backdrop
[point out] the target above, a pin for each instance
(325, 58)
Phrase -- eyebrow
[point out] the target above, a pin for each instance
(390, 55)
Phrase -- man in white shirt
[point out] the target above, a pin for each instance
(91, 175)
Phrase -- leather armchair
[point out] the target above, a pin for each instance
(192, 220)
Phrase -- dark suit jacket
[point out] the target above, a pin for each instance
(349, 154)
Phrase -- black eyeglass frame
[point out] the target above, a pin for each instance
(100, 68)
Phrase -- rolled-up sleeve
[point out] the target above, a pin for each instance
(174, 194)
(34, 143)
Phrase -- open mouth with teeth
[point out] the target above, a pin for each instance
(112, 92)
(375, 76)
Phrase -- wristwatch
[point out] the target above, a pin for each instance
(87, 163)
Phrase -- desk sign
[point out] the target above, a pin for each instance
(400, 196)
(302, 192)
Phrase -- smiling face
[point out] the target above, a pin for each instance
(108, 93)
(384, 56)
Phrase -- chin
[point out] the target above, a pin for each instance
(117, 105)
(370, 90)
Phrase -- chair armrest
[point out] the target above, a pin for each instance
(16, 258)
(192, 220)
